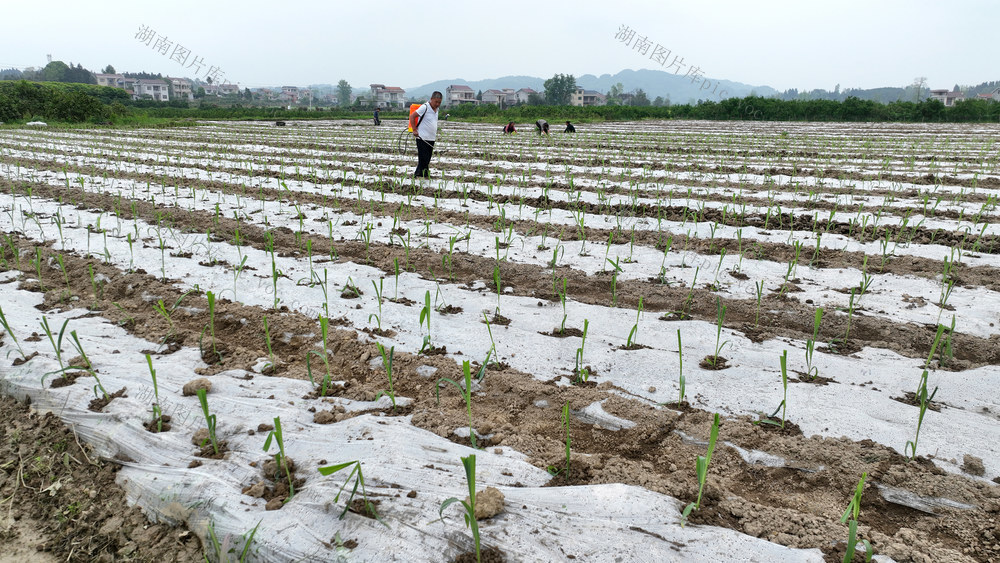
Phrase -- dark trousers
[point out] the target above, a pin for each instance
(424, 150)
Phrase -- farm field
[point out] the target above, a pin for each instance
(573, 311)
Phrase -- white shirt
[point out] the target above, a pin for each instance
(428, 118)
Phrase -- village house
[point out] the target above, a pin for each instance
(946, 97)
(229, 89)
(458, 94)
(583, 97)
(387, 96)
(290, 94)
(504, 98)
(154, 89)
(993, 96)
(522, 95)
(180, 88)
(112, 80)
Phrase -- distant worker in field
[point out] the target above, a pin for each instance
(569, 128)
(424, 123)
(509, 128)
(542, 126)
(377, 120)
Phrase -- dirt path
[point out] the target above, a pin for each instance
(60, 503)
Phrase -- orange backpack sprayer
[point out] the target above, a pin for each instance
(413, 108)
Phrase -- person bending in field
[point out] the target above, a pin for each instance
(424, 123)
(542, 126)
(509, 128)
(377, 120)
(569, 128)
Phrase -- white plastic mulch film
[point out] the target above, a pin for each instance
(589, 523)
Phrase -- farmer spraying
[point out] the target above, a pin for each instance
(423, 123)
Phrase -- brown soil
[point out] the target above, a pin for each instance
(97, 405)
(714, 363)
(61, 503)
(273, 487)
(486, 555)
(161, 424)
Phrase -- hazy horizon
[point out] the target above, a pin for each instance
(781, 44)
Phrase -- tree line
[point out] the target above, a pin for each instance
(751, 108)
(22, 100)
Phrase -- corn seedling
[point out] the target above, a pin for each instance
(221, 550)
(719, 343)
(690, 295)
(395, 262)
(378, 299)
(922, 396)
(784, 400)
(324, 287)
(157, 411)
(359, 481)
(8, 331)
(701, 465)
(493, 345)
(275, 272)
(607, 248)
(466, 392)
(853, 509)
(496, 281)
(324, 329)
(350, 290)
(96, 285)
(614, 282)
(425, 315)
(38, 268)
(581, 372)
(812, 371)
(65, 273)
(565, 424)
(634, 333)
(55, 341)
(866, 280)
(947, 353)
(87, 366)
(279, 458)
(562, 299)
(680, 368)
(387, 362)
(469, 462)
(209, 421)
(759, 288)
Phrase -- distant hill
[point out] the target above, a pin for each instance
(515, 82)
(677, 88)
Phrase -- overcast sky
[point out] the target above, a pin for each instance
(779, 43)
